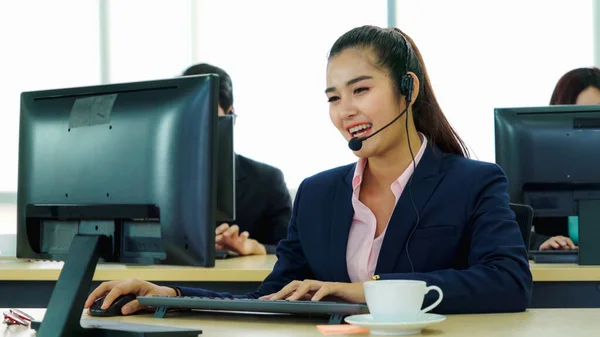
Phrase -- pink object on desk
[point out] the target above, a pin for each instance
(332, 329)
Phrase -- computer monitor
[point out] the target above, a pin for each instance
(122, 173)
(550, 156)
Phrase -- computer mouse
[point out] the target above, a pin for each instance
(114, 309)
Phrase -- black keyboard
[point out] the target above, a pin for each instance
(225, 254)
(335, 310)
(554, 256)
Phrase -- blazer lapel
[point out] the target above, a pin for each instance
(341, 221)
(426, 178)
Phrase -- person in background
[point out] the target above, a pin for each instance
(413, 206)
(263, 203)
(579, 86)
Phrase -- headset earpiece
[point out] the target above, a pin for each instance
(406, 87)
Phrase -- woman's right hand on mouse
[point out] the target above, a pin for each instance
(113, 289)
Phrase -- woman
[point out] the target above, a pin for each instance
(579, 86)
(452, 227)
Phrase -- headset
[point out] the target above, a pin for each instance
(407, 84)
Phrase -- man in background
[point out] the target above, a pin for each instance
(263, 203)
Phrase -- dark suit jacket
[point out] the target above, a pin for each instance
(262, 201)
(467, 241)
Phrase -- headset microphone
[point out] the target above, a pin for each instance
(355, 144)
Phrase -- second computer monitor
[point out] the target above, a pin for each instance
(550, 156)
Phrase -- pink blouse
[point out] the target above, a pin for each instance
(363, 247)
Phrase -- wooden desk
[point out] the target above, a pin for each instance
(245, 269)
(555, 285)
(34, 281)
(556, 272)
(532, 323)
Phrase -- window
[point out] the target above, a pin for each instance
(496, 54)
(484, 55)
(63, 50)
(40, 51)
(276, 54)
(148, 39)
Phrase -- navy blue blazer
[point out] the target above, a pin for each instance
(467, 241)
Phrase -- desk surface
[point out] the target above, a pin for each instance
(556, 272)
(532, 323)
(241, 269)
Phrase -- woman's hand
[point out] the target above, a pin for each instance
(113, 289)
(317, 290)
(558, 243)
(230, 238)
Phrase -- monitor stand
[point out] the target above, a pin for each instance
(64, 311)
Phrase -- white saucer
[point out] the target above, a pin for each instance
(395, 328)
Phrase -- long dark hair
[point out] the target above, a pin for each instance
(573, 83)
(396, 52)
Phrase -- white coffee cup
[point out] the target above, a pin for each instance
(398, 300)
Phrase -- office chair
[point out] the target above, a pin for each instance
(524, 215)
